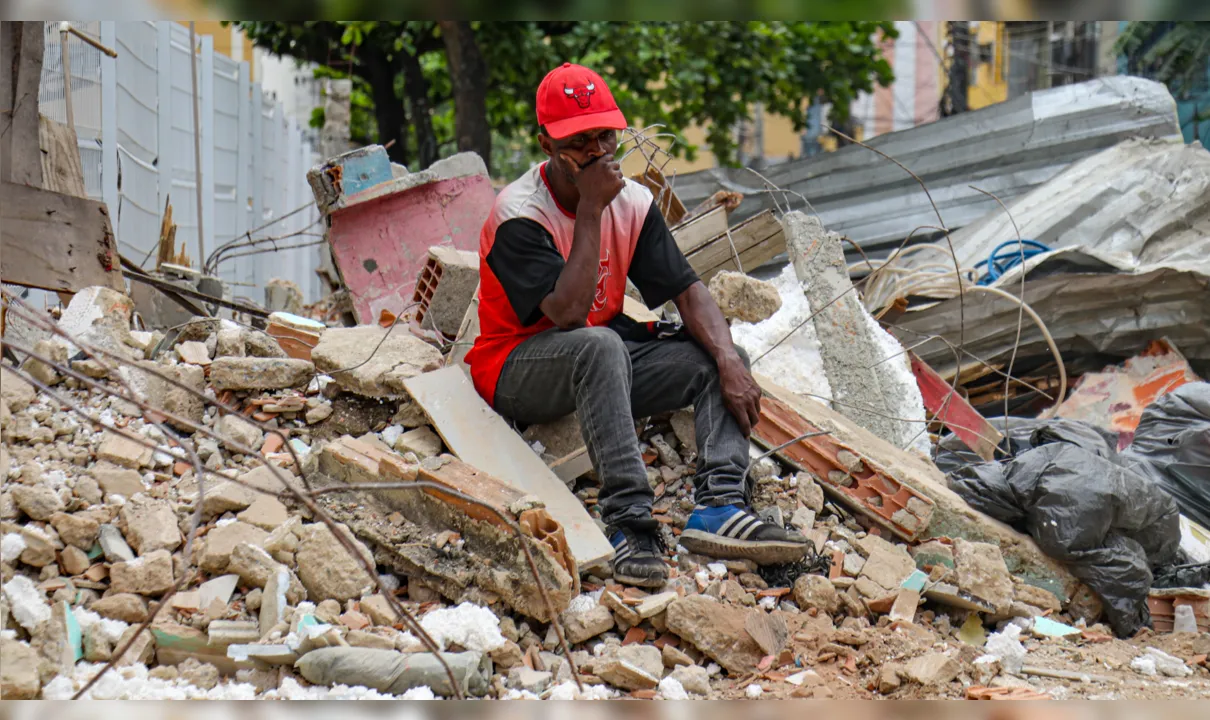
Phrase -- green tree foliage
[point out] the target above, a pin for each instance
(677, 74)
(1176, 53)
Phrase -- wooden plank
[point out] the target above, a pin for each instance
(761, 230)
(478, 436)
(56, 242)
(62, 171)
(692, 235)
(750, 259)
(952, 409)
(21, 47)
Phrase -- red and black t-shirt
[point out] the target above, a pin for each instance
(524, 245)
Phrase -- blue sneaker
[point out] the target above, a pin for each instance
(732, 532)
(639, 555)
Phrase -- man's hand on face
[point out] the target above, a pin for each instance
(599, 182)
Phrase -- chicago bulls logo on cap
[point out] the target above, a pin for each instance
(582, 95)
(572, 99)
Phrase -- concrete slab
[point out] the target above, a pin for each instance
(478, 436)
(951, 516)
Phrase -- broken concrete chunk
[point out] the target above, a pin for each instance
(326, 569)
(982, 573)
(523, 678)
(422, 441)
(633, 667)
(123, 451)
(239, 432)
(149, 575)
(170, 399)
(226, 497)
(39, 502)
(581, 626)
(115, 480)
(150, 525)
(847, 335)
(124, 606)
(193, 353)
(255, 567)
(19, 678)
(933, 553)
(229, 343)
(256, 373)
(743, 297)
(933, 669)
(78, 529)
(262, 345)
(221, 542)
(266, 512)
(694, 678)
(15, 392)
(888, 568)
(717, 629)
(816, 591)
(399, 357)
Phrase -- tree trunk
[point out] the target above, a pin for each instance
(468, 75)
(417, 90)
(389, 112)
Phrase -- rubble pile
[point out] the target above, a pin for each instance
(319, 511)
(95, 529)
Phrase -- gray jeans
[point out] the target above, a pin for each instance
(608, 383)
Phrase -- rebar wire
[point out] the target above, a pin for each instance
(248, 233)
(774, 186)
(304, 498)
(940, 222)
(859, 283)
(373, 352)
(223, 253)
(1021, 297)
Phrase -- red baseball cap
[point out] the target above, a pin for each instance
(572, 99)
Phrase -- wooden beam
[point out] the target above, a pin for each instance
(955, 411)
(21, 46)
(62, 170)
(757, 240)
(691, 235)
(56, 242)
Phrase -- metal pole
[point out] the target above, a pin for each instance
(66, 58)
(197, 141)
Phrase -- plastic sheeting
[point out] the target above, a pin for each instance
(1172, 447)
(1084, 506)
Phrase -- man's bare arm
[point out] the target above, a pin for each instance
(706, 324)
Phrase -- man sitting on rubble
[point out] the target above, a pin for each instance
(555, 255)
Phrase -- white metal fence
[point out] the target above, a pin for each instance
(134, 118)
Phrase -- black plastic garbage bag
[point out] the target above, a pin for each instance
(1073, 495)
(1172, 447)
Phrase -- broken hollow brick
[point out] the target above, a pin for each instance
(445, 287)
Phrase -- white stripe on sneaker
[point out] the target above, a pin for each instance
(726, 528)
(738, 530)
(751, 529)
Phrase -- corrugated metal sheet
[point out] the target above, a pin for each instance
(1131, 228)
(1007, 149)
(1148, 201)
